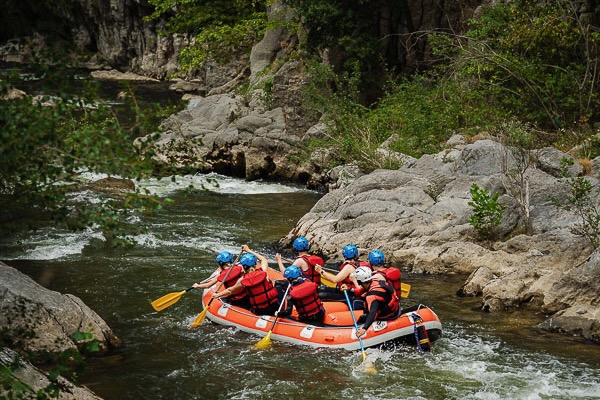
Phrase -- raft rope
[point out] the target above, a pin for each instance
(420, 332)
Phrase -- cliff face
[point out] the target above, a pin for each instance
(112, 33)
(115, 33)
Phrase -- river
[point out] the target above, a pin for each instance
(480, 355)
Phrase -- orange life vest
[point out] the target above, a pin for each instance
(380, 290)
(259, 288)
(311, 274)
(393, 275)
(235, 274)
(306, 298)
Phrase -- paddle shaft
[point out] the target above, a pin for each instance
(280, 306)
(362, 346)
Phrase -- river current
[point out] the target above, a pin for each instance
(480, 355)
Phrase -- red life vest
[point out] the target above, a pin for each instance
(259, 288)
(311, 274)
(393, 275)
(306, 299)
(380, 290)
(232, 279)
(347, 281)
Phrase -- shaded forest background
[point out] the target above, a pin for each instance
(526, 72)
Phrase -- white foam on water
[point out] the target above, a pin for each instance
(48, 244)
(499, 371)
(211, 182)
(214, 183)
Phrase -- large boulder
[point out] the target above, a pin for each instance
(37, 320)
(29, 382)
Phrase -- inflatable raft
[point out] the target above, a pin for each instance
(338, 331)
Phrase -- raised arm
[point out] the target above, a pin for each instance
(280, 262)
(264, 263)
(337, 278)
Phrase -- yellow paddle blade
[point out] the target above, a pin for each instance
(327, 282)
(405, 287)
(265, 342)
(167, 300)
(368, 367)
(199, 318)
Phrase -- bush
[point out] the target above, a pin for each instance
(487, 212)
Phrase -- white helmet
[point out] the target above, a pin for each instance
(363, 274)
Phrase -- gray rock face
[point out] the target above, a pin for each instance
(227, 134)
(419, 217)
(41, 320)
(34, 380)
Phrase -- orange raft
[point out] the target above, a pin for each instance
(338, 331)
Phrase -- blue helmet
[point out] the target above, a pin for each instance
(376, 258)
(350, 251)
(248, 260)
(292, 272)
(224, 257)
(301, 244)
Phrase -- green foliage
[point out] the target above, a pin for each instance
(349, 136)
(419, 115)
(583, 200)
(529, 61)
(221, 30)
(487, 212)
(45, 145)
(538, 60)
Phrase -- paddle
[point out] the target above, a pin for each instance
(404, 287)
(368, 367)
(265, 342)
(200, 317)
(169, 299)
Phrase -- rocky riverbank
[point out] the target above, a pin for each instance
(419, 216)
(41, 324)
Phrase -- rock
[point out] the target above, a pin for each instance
(549, 160)
(33, 380)
(14, 94)
(455, 140)
(115, 75)
(186, 87)
(112, 185)
(476, 282)
(596, 168)
(36, 319)
(419, 214)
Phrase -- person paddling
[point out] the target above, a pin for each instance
(350, 264)
(392, 274)
(224, 259)
(304, 297)
(262, 295)
(235, 297)
(305, 261)
(380, 297)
